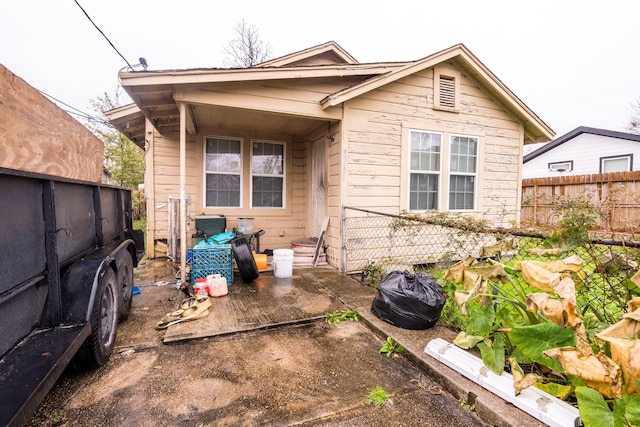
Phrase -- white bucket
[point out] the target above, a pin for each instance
(282, 262)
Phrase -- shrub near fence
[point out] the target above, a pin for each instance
(435, 242)
(617, 194)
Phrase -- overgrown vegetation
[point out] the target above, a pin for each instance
(555, 318)
(373, 273)
(531, 299)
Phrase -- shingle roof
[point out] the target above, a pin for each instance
(576, 132)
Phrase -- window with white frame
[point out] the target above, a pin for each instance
(267, 174)
(621, 163)
(223, 172)
(463, 169)
(425, 166)
(561, 166)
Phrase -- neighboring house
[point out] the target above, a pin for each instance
(292, 141)
(584, 151)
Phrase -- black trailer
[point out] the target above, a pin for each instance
(66, 280)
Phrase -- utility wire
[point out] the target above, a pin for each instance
(103, 35)
(77, 111)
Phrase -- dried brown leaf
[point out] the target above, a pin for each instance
(596, 371)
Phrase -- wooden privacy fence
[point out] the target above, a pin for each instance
(616, 195)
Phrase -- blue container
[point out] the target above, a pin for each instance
(212, 259)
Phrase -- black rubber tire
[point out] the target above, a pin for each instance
(95, 351)
(244, 259)
(125, 281)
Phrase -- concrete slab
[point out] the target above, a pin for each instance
(283, 365)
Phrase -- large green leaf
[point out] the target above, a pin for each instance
(465, 341)
(480, 319)
(534, 339)
(561, 391)
(493, 355)
(631, 405)
(595, 411)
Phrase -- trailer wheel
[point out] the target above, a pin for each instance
(104, 323)
(244, 259)
(125, 282)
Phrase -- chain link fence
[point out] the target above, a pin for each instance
(410, 242)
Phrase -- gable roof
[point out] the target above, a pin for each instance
(326, 53)
(535, 128)
(576, 132)
(154, 92)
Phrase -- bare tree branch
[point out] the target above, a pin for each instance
(634, 119)
(246, 49)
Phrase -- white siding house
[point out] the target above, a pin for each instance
(584, 151)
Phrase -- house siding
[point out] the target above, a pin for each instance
(334, 196)
(376, 127)
(585, 150)
(282, 225)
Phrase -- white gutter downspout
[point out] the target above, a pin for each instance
(183, 186)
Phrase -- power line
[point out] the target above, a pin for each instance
(103, 35)
(77, 111)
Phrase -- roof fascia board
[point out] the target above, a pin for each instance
(381, 80)
(251, 74)
(472, 63)
(122, 112)
(310, 52)
(504, 92)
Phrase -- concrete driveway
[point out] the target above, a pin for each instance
(266, 356)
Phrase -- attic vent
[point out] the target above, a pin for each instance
(447, 92)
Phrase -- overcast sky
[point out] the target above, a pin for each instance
(574, 63)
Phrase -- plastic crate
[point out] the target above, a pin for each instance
(212, 259)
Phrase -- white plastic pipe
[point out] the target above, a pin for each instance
(543, 406)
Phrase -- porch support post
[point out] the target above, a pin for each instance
(183, 197)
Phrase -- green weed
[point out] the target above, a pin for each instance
(390, 347)
(377, 396)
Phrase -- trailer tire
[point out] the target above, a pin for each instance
(95, 351)
(244, 259)
(125, 282)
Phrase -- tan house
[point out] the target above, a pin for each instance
(291, 141)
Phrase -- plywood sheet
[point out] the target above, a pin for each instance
(37, 136)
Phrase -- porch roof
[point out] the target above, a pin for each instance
(216, 96)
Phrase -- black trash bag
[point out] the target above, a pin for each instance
(409, 301)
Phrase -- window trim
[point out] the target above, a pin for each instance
(475, 175)
(205, 172)
(410, 171)
(569, 162)
(629, 158)
(440, 72)
(284, 174)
